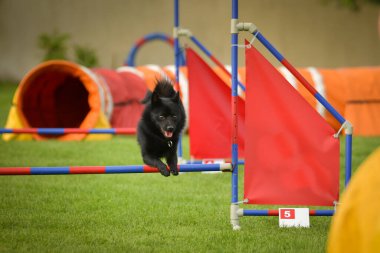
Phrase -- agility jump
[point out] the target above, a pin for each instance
(305, 168)
(275, 179)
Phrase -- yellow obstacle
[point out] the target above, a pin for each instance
(356, 224)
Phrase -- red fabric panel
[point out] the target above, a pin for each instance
(210, 112)
(127, 91)
(293, 158)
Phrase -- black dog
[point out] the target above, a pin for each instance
(160, 127)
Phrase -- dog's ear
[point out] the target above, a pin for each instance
(147, 98)
(155, 98)
(176, 98)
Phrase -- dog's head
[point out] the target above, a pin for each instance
(167, 114)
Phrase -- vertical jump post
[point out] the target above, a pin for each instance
(176, 42)
(235, 28)
(348, 156)
(234, 101)
(177, 53)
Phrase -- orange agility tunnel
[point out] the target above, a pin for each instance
(62, 94)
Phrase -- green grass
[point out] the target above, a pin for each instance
(134, 212)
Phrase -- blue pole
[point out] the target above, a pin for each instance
(324, 212)
(255, 213)
(200, 46)
(348, 162)
(177, 60)
(176, 41)
(234, 93)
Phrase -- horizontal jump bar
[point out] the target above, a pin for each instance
(58, 131)
(275, 212)
(108, 169)
(212, 161)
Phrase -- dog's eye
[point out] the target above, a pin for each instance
(174, 116)
(161, 117)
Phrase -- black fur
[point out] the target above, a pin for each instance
(160, 127)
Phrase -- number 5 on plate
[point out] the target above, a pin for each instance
(294, 217)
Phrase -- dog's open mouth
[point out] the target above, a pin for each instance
(167, 134)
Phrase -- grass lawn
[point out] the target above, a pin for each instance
(131, 212)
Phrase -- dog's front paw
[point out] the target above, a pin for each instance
(174, 170)
(164, 170)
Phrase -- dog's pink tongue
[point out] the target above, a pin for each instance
(168, 134)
